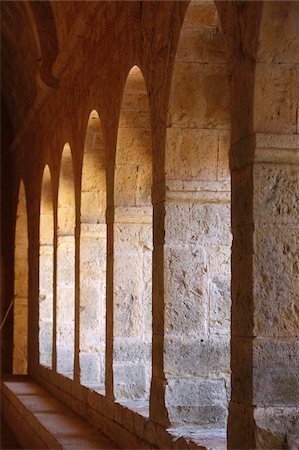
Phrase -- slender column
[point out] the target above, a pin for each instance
(20, 307)
(265, 326)
(55, 241)
(158, 412)
(109, 285)
(77, 305)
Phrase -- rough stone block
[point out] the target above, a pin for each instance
(191, 154)
(274, 84)
(65, 359)
(93, 205)
(65, 304)
(66, 262)
(205, 81)
(276, 193)
(90, 368)
(46, 273)
(276, 428)
(275, 372)
(131, 350)
(130, 382)
(220, 305)
(186, 291)
(276, 281)
(195, 43)
(196, 357)
(45, 308)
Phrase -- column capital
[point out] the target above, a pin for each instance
(265, 148)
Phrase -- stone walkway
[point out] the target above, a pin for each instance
(35, 416)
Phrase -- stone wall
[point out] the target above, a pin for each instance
(220, 85)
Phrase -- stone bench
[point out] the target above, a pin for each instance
(40, 421)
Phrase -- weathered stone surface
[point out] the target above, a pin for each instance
(276, 372)
(186, 292)
(131, 350)
(199, 401)
(91, 369)
(276, 191)
(131, 381)
(277, 427)
(191, 154)
(205, 357)
(198, 224)
(273, 85)
(277, 280)
(217, 74)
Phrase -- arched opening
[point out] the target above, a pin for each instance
(133, 246)
(46, 267)
(93, 242)
(20, 308)
(197, 226)
(65, 307)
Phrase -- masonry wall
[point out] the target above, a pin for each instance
(257, 122)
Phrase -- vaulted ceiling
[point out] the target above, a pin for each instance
(32, 35)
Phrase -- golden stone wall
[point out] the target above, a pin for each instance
(222, 88)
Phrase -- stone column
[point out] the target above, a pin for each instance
(109, 298)
(20, 307)
(264, 409)
(55, 251)
(77, 329)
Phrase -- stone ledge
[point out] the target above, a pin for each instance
(127, 422)
(41, 421)
(211, 438)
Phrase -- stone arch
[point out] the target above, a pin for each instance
(20, 308)
(65, 307)
(197, 249)
(133, 244)
(46, 270)
(93, 254)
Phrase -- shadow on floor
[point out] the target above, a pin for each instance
(8, 439)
